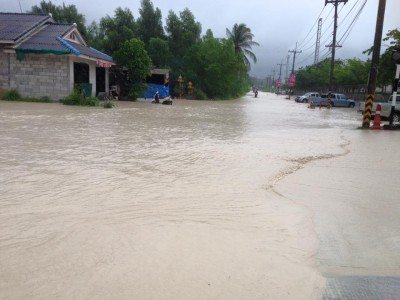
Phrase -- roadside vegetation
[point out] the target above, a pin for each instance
(77, 98)
(13, 95)
(217, 67)
(351, 72)
(108, 104)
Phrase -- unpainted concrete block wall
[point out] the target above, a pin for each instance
(3, 70)
(40, 75)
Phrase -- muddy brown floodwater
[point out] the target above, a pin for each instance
(149, 201)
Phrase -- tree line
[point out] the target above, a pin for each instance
(351, 72)
(217, 67)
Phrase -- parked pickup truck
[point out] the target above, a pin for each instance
(338, 100)
(386, 108)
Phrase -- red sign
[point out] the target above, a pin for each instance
(292, 80)
(103, 63)
(278, 83)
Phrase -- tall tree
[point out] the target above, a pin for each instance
(149, 22)
(133, 56)
(62, 14)
(352, 72)
(94, 35)
(182, 32)
(243, 41)
(114, 31)
(215, 68)
(159, 52)
(209, 34)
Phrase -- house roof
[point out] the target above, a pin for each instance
(15, 25)
(38, 33)
(47, 38)
(92, 52)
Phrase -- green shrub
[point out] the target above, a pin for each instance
(12, 95)
(198, 94)
(108, 104)
(72, 99)
(76, 98)
(90, 101)
(137, 90)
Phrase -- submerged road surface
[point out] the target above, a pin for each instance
(248, 199)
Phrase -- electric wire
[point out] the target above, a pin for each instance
(348, 13)
(353, 22)
(325, 53)
(312, 38)
(312, 27)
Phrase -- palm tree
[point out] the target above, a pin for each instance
(243, 40)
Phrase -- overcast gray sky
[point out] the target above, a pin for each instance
(277, 25)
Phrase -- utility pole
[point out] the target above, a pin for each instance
(280, 74)
(373, 72)
(295, 51)
(273, 77)
(280, 70)
(334, 46)
(20, 7)
(318, 42)
(287, 68)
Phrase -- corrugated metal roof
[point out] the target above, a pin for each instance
(15, 25)
(46, 38)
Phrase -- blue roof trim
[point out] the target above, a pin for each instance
(67, 45)
(99, 52)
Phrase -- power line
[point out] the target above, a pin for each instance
(331, 23)
(327, 52)
(312, 38)
(295, 51)
(351, 26)
(312, 27)
(334, 45)
(348, 13)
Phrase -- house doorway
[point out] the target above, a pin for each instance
(100, 80)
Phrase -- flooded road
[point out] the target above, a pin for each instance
(150, 201)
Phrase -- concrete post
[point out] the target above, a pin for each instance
(92, 77)
(107, 81)
(71, 74)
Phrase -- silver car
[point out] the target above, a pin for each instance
(313, 96)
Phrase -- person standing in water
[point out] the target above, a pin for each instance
(157, 98)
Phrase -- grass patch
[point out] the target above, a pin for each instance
(13, 95)
(44, 99)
